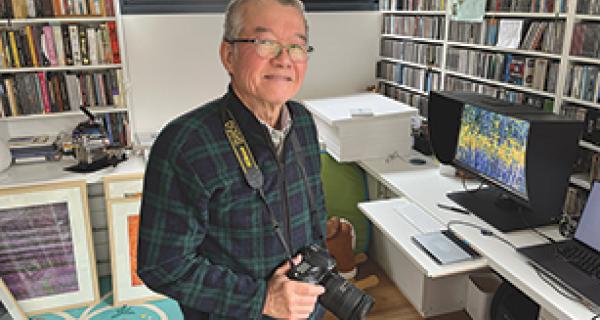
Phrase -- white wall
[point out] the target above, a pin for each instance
(173, 63)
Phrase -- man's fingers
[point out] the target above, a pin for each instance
(285, 267)
(308, 289)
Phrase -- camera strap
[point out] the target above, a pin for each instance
(255, 178)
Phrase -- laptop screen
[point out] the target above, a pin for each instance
(589, 224)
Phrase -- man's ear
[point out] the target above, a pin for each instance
(226, 52)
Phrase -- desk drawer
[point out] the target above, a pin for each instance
(123, 186)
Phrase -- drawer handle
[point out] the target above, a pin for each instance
(132, 195)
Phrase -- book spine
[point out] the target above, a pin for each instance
(114, 42)
(67, 45)
(84, 45)
(75, 44)
(44, 90)
(49, 44)
(93, 45)
(31, 46)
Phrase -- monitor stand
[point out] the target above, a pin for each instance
(495, 207)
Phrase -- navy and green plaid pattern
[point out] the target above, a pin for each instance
(206, 238)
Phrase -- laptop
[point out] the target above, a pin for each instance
(576, 262)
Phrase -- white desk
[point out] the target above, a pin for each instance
(51, 171)
(425, 186)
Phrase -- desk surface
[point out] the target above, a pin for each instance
(52, 171)
(424, 185)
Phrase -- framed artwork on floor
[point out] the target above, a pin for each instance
(47, 257)
(9, 309)
(123, 228)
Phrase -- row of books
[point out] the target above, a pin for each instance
(588, 6)
(417, 78)
(422, 53)
(586, 40)
(466, 32)
(536, 73)
(540, 35)
(582, 83)
(39, 93)
(459, 84)
(410, 5)
(544, 36)
(415, 26)
(21, 9)
(59, 45)
(527, 5)
(575, 200)
(590, 118)
(117, 128)
(416, 100)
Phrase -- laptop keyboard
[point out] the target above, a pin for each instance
(584, 260)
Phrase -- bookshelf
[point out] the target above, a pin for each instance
(555, 66)
(57, 56)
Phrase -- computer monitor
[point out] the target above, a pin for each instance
(523, 154)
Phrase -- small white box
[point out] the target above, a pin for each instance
(362, 126)
(480, 291)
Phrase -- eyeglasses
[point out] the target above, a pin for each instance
(270, 49)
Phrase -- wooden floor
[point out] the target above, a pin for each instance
(389, 301)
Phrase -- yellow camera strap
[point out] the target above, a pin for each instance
(242, 151)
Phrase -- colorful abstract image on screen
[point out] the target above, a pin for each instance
(36, 251)
(494, 146)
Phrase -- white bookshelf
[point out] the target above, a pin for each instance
(501, 84)
(587, 17)
(415, 12)
(566, 62)
(62, 68)
(43, 116)
(58, 20)
(411, 38)
(589, 146)
(530, 53)
(584, 60)
(405, 87)
(588, 104)
(530, 15)
(411, 64)
(57, 121)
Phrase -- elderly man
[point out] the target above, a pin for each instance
(232, 189)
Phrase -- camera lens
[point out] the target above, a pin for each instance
(343, 299)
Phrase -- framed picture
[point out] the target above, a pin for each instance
(48, 260)
(123, 228)
(9, 309)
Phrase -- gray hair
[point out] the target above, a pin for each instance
(234, 16)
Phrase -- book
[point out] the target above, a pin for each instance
(539, 76)
(509, 33)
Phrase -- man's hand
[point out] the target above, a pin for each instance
(290, 299)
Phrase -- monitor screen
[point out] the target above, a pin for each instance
(493, 146)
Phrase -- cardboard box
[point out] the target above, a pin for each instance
(480, 291)
(363, 126)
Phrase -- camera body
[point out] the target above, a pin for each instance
(341, 297)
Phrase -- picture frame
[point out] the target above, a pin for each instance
(9, 309)
(46, 233)
(123, 227)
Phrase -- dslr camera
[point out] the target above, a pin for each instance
(341, 298)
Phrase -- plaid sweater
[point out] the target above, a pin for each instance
(206, 238)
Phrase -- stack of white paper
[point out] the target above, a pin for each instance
(363, 126)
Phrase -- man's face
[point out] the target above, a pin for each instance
(259, 80)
